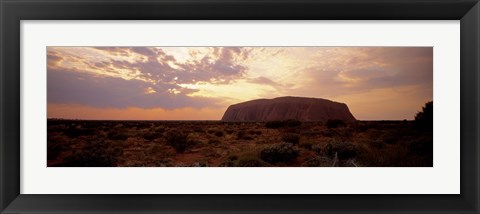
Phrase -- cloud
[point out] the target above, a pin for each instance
(53, 59)
(146, 82)
(199, 77)
(74, 87)
(365, 69)
(146, 51)
(222, 66)
(114, 50)
(264, 81)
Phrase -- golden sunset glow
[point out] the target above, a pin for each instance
(199, 83)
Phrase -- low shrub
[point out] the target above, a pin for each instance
(290, 130)
(421, 147)
(335, 123)
(219, 133)
(279, 153)
(377, 144)
(117, 135)
(192, 142)
(242, 135)
(159, 130)
(150, 136)
(198, 130)
(282, 123)
(344, 150)
(318, 162)
(274, 124)
(142, 125)
(232, 157)
(255, 132)
(292, 123)
(213, 142)
(318, 149)
(73, 132)
(230, 161)
(94, 154)
(307, 145)
(250, 161)
(291, 138)
(178, 140)
(390, 137)
(54, 149)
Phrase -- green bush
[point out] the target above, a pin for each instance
(178, 140)
(279, 153)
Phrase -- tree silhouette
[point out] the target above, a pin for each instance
(424, 118)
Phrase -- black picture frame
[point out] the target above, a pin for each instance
(13, 11)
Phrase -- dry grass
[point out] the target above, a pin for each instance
(238, 144)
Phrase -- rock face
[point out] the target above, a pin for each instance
(283, 108)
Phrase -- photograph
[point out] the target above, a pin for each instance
(239, 106)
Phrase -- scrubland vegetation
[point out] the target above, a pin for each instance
(288, 143)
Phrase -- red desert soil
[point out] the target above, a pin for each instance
(237, 144)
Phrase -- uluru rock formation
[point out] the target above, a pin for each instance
(284, 108)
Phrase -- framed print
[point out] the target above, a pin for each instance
(189, 110)
(239, 106)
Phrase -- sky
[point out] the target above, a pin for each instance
(199, 83)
